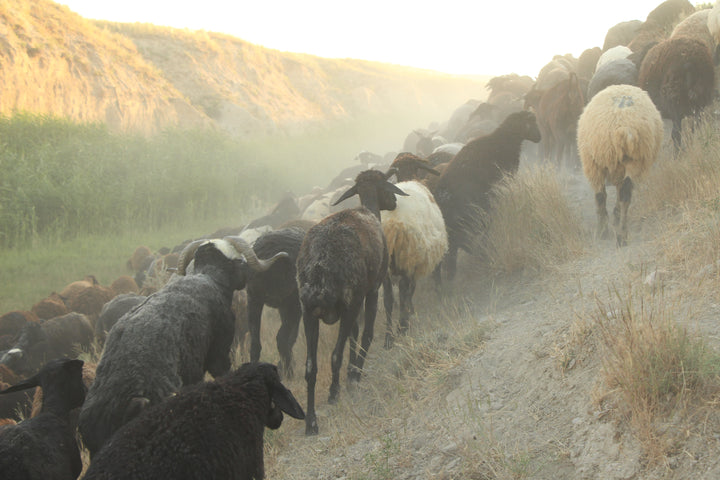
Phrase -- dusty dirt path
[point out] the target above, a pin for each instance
(522, 405)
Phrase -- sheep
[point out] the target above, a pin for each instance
(45, 446)
(326, 205)
(615, 53)
(617, 72)
(285, 210)
(621, 34)
(458, 119)
(171, 339)
(112, 311)
(342, 262)
(140, 259)
(57, 337)
(416, 238)
(16, 405)
(557, 113)
(669, 12)
(90, 301)
(619, 136)
(696, 26)
(209, 430)
(466, 182)
(276, 288)
(124, 284)
(419, 141)
(587, 62)
(713, 22)
(11, 323)
(679, 76)
(50, 307)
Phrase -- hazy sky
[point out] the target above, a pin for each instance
(453, 36)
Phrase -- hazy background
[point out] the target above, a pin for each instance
(461, 37)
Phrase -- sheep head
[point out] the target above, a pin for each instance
(375, 192)
(406, 166)
(232, 248)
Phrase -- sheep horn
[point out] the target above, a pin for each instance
(349, 193)
(391, 171)
(245, 249)
(186, 255)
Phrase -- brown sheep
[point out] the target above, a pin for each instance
(50, 307)
(140, 259)
(557, 113)
(90, 301)
(124, 284)
(679, 76)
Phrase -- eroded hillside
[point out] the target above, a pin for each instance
(138, 77)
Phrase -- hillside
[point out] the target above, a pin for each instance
(138, 77)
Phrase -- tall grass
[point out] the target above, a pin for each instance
(62, 179)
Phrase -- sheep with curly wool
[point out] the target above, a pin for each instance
(615, 53)
(416, 238)
(465, 185)
(696, 26)
(619, 136)
(112, 311)
(678, 74)
(341, 265)
(209, 430)
(176, 335)
(44, 446)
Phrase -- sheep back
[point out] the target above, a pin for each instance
(415, 231)
(353, 235)
(620, 132)
(616, 72)
(176, 335)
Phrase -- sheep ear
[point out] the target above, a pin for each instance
(135, 407)
(349, 193)
(428, 169)
(31, 382)
(392, 188)
(285, 401)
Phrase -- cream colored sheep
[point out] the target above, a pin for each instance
(619, 136)
(713, 22)
(697, 26)
(614, 53)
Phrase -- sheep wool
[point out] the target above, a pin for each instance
(415, 231)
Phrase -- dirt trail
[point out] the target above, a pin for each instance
(522, 405)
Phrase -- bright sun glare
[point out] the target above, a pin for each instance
(456, 36)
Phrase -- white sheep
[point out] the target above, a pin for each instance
(713, 21)
(619, 136)
(614, 53)
(416, 238)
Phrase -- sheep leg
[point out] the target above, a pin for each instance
(388, 300)
(602, 215)
(348, 323)
(407, 289)
(255, 309)
(624, 197)
(371, 301)
(451, 261)
(312, 330)
(290, 314)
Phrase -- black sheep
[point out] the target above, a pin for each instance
(679, 76)
(208, 430)
(341, 265)
(276, 288)
(465, 184)
(44, 447)
(180, 332)
(113, 310)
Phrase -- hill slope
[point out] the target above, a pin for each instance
(138, 77)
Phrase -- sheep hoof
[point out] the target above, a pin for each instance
(311, 428)
(353, 376)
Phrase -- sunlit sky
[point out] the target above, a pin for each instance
(452, 36)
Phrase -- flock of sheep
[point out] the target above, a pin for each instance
(144, 411)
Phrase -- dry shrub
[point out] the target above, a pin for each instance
(654, 367)
(692, 177)
(531, 226)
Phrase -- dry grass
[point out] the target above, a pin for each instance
(655, 368)
(532, 226)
